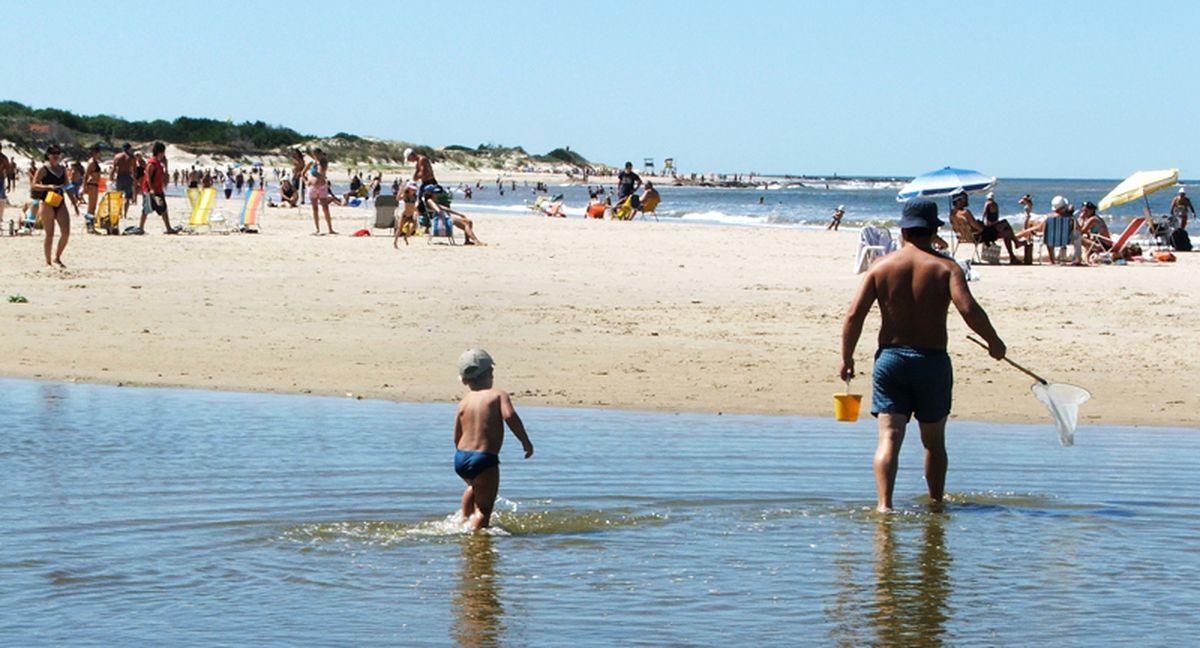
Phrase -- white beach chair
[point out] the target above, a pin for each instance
(873, 243)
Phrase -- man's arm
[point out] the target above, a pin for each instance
(973, 314)
(852, 327)
(509, 414)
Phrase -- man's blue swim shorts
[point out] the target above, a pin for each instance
(470, 464)
(909, 381)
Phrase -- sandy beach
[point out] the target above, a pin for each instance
(643, 315)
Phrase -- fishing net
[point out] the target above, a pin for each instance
(1063, 401)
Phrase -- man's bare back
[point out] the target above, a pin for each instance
(123, 163)
(913, 290)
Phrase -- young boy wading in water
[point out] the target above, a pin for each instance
(478, 435)
(914, 287)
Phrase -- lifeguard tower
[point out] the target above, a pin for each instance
(648, 166)
(669, 166)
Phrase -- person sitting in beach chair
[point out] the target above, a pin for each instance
(357, 190)
(434, 208)
(978, 232)
(551, 207)
(649, 201)
(985, 232)
(1094, 232)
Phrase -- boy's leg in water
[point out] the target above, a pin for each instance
(486, 485)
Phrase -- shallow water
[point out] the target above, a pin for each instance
(189, 518)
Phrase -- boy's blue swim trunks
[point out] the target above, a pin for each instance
(469, 464)
(908, 381)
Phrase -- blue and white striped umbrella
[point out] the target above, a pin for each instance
(945, 182)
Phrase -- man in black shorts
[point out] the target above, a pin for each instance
(627, 184)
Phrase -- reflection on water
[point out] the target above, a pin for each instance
(478, 612)
(911, 588)
(268, 519)
(898, 593)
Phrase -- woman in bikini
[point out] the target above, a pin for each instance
(318, 190)
(47, 188)
(91, 186)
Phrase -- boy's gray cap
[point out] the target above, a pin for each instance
(473, 363)
(920, 213)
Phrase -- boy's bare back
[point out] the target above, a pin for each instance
(480, 420)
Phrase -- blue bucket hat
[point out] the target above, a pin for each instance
(920, 213)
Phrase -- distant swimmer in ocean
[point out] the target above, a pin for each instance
(478, 435)
(912, 376)
(836, 221)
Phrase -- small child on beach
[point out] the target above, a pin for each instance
(408, 216)
(478, 435)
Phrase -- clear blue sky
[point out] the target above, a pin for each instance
(1046, 89)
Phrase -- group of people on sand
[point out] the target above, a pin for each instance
(55, 186)
(424, 197)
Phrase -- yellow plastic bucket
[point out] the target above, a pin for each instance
(53, 198)
(845, 406)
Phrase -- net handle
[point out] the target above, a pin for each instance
(1019, 367)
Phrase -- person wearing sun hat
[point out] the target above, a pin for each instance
(1180, 207)
(836, 220)
(912, 375)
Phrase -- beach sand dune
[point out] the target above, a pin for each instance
(640, 315)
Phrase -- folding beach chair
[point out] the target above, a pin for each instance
(648, 206)
(109, 211)
(385, 212)
(962, 232)
(873, 243)
(251, 211)
(1114, 250)
(193, 196)
(441, 228)
(1058, 234)
(203, 210)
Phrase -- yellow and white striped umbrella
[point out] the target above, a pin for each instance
(1140, 185)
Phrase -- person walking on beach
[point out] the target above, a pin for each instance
(47, 189)
(6, 167)
(91, 186)
(1180, 207)
(156, 177)
(318, 190)
(479, 434)
(836, 221)
(912, 376)
(298, 173)
(122, 173)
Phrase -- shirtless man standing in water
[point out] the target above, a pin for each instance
(914, 287)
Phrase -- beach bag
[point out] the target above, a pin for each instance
(1181, 241)
(990, 254)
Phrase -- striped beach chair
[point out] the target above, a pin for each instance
(109, 211)
(251, 210)
(202, 211)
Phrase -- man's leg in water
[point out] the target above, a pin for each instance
(933, 435)
(486, 485)
(887, 457)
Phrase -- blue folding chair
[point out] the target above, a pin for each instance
(1059, 233)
